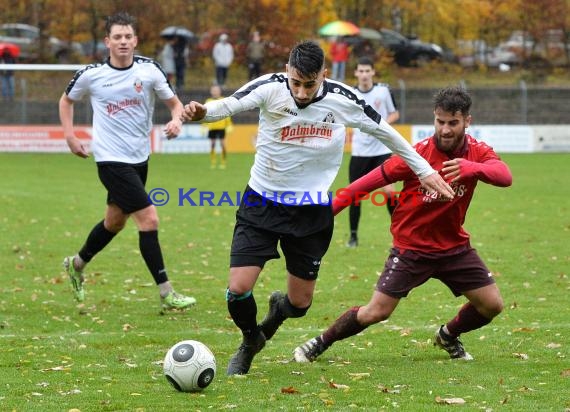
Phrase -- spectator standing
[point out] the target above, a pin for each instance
(368, 152)
(167, 60)
(255, 54)
(339, 54)
(8, 83)
(223, 55)
(181, 54)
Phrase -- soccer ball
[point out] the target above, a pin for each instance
(189, 366)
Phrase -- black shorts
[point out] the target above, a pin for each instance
(303, 232)
(460, 272)
(125, 184)
(359, 165)
(217, 134)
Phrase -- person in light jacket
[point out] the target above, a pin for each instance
(223, 55)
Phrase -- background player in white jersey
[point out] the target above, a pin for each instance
(299, 152)
(122, 92)
(368, 152)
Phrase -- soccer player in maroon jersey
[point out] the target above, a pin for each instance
(428, 236)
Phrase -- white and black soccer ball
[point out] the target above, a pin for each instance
(189, 366)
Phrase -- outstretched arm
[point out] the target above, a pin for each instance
(493, 171)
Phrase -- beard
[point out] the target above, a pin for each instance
(449, 144)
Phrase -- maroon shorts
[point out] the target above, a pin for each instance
(460, 272)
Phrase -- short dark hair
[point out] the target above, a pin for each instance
(307, 57)
(365, 61)
(452, 100)
(122, 19)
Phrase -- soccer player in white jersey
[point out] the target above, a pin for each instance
(122, 92)
(299, 151)
(368, 152)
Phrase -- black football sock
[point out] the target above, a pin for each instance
(353, 217)
(152, 255)
(345, 326)
(243, 310)
(98, 238)
(287, 310)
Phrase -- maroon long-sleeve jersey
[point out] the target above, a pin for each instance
(424, 221)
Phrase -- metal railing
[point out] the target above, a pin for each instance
(519, 104)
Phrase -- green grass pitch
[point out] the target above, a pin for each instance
(106, 354)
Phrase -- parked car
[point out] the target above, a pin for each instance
(477, 52)
(405, 51)
(550, 47)
(27, 38)
(520, 49)
(409, 52)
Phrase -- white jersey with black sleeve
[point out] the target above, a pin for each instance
(123, 104)
(299, 150)
(381, 100)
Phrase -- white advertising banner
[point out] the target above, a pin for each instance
(42, 139)
(192, 139)
(552, 138)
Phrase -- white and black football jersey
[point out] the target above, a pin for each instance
(299, 150)
(123, 105)
(381, 100)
